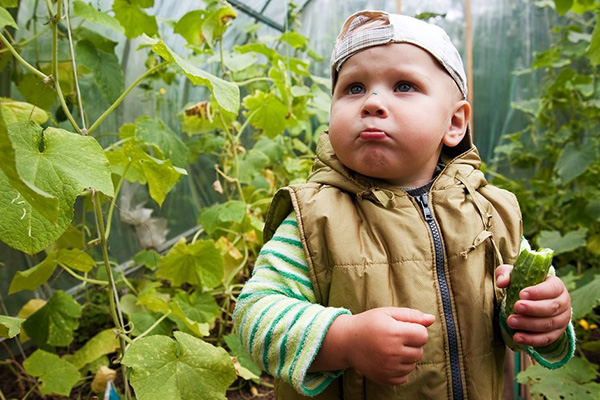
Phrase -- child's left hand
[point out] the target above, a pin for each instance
(542, 313)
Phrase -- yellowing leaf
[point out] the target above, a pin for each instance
(6, 19)
(184, 368)
(33, 277)
(105, 342)
(18, 111)
(75, 259)
(101, 379)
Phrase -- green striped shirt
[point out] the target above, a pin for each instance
(282, 327)
(276, 316)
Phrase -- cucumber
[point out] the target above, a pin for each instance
(530, 269)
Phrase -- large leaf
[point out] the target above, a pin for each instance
(562, 244)
(575, 381)
(57, 375)
(190, 27)
(135, 21)
(54, 323)
(199, 306)
(267, 112)
(105, 67)
(6, 19)
(185, 368)
(89, 13)
(156, 132)
(585, 298)
(573, 161)
(105, 342)
(10, 326)
(227, 94)
(44, 203)
(199, 263)
(58, 162)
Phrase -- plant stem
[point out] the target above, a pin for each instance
(124, 94)
(154, 325)
(72, 50)
(2, 395)
(129, 285)
(54, 20)
(113, 297)
(82, 278)
(20, 59)
(114, 200)
(252, 80)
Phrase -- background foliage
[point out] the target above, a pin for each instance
(69, 171)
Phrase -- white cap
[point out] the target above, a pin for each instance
(373, 28)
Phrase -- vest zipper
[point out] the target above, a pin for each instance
(457, 385)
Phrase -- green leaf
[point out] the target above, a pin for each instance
(135, 21)
(89, 13)
(33, 277)
(294, 39)
(593, 50)
(190, 27)
(252, 164)
(75, 259)
(105, 342)
(9, 3)
(199, 306)
(54, 323)
(199, 263)
(186, 324)
(58, 162)
(185, 368)
(593, 209)
(155, 131)
(44, 203)
(573, 381)
(18, 111)
(573, 162)
(235, 346)
(562, 244)
(227, 94)
(57, 376)
(562, 6)
(148, 258)
(10, 326)
(238, 62)
(36, 92)
(105, 67)
(585, 298)
(232, 211)
(531, 106)
(6, 19)
(266, 112)
(143, 320)
(161, 176)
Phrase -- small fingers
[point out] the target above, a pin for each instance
(537, 339)
(544, 324)
(551, 288)
(503, 275)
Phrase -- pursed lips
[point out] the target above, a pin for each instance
(372, 134)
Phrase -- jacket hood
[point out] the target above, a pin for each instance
(327, 169)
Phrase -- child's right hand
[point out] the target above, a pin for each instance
(384, 344)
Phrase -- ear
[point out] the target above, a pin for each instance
(458, 123)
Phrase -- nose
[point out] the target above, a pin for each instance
(374, 106)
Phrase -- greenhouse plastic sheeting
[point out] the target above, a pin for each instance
(505, 34)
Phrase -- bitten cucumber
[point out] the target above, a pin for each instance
(530, 269)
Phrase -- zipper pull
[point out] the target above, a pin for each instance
(424, 203)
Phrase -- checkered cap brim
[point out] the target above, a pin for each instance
(357, 35)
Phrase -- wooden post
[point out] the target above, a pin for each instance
(398, 6)
(470, 61)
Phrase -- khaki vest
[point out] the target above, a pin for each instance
(367, 245)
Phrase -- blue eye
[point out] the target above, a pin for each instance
(404, 87)
(356, 89)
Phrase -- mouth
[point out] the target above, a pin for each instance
(372, 135)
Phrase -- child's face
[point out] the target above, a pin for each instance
(392, 109)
